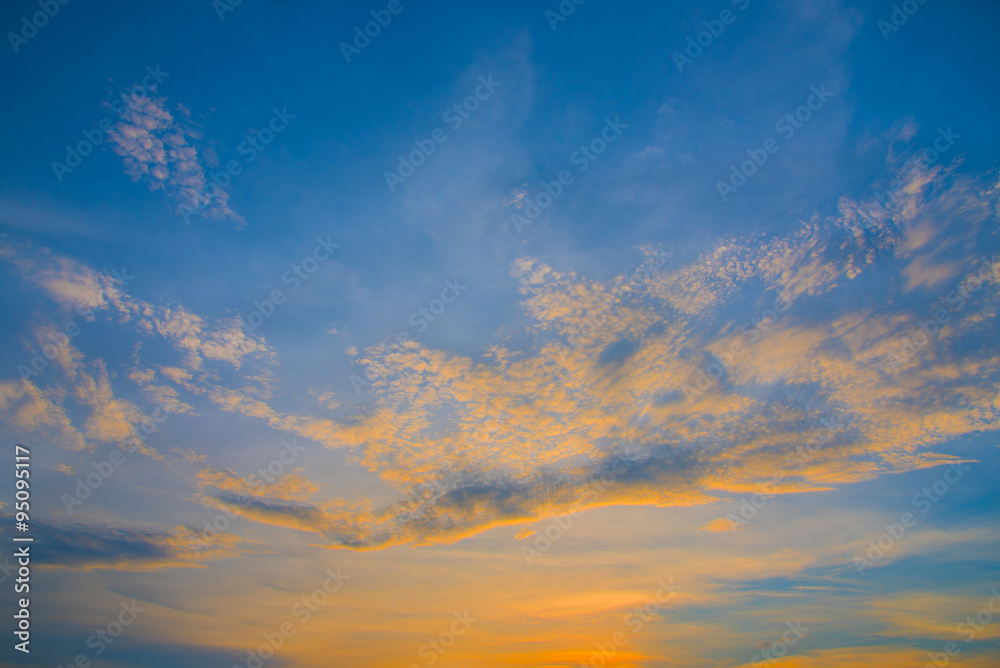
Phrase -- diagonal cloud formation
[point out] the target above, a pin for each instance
(719, 373)
(715, 374)
(155, 148)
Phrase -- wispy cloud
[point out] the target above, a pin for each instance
(571, 409)
(517, 434)
(156, 148)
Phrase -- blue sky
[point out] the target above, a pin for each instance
(430, 347)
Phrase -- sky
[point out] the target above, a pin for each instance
(520, 334)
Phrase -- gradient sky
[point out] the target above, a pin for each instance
(552, 392)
